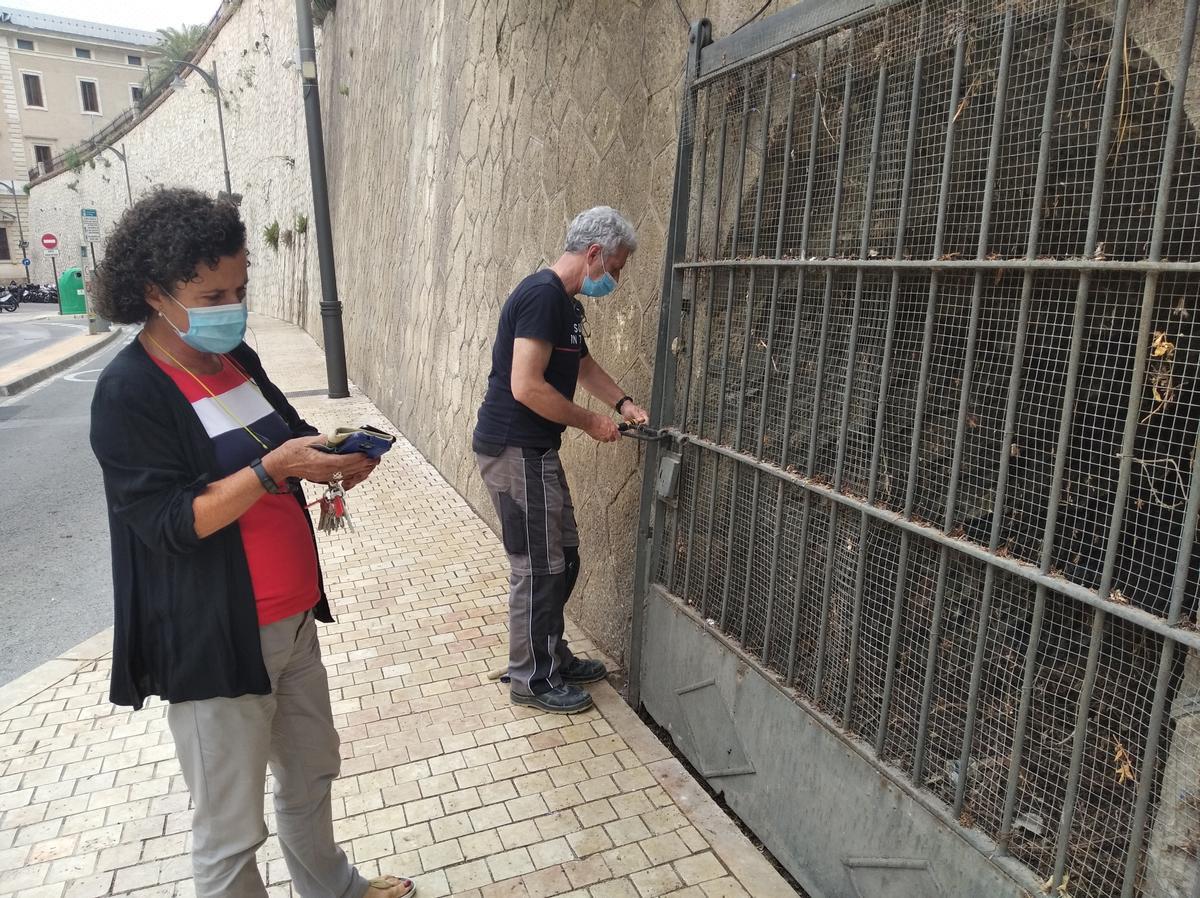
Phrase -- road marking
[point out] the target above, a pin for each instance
(90, 376)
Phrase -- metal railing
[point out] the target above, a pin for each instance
(933, 388)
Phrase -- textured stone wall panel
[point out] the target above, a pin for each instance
(468, 135)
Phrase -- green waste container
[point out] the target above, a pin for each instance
(70, 293)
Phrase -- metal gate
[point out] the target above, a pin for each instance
(917, 587)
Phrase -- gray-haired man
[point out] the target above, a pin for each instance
(539, 356)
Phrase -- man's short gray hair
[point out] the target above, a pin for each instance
(603, 225)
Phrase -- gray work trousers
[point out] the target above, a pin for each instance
(224, 746)
(537, 521)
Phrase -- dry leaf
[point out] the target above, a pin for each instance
(1124, 763)
(1061, 891)
(1161, 346)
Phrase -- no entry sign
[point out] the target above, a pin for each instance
(49, 241)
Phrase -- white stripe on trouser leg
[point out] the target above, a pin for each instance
(549, 565)
(546, 509)
(529, 549)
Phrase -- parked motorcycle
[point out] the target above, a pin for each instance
(8, 302)
(47, 293)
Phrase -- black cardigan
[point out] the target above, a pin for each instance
(186, 625)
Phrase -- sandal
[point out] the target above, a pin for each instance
(390, 887)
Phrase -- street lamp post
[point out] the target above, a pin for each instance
(120, 154)
(210, 78)
(331, 305)
(20, 230)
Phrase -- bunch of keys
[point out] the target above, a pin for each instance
(334, 515)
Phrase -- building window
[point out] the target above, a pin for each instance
(89, 96)
(133, 60)
(5, 252)
(82, 53)
(136, 92)
(33, 90)
(42, 154)
(23, 44)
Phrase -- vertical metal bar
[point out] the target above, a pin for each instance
(789, 402)
(691, 356)
(1112, 90)
(708, 319)
(1182, 562)
(1014, 382)
(1162, 685)
(769, 611)
(746, 322)
(1099, 619)
(689, 347)
(914, 453)
(819, 380)
(1049, 116)
(733, 242)
(985, 608)
(716, 252)
(1016, 756)
(848, 394)
(885, 373)
(741, 183)
(650, 520)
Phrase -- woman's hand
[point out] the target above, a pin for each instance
(301, 458)
(351, 482)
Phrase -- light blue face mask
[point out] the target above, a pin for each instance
(215, 328)
(601, 286)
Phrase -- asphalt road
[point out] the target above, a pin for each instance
(55, 574)
(20, 338)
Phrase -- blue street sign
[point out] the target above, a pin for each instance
(26, 262)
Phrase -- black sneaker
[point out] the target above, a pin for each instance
(562, 700)
(584, 670)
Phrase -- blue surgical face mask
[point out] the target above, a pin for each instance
(601, 286)
(213, 328)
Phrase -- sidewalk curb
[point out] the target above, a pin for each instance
(744, 861)
(49, 673)
(13, 387)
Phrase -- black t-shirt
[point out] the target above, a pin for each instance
(539, 308)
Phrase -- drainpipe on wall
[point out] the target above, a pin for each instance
(331, 306)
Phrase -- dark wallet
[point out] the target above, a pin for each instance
(371, 441)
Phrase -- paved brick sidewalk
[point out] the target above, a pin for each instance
(443, 780)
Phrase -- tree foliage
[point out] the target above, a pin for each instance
(176, 45)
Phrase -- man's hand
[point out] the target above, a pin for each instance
(602, 429)
(634, 413)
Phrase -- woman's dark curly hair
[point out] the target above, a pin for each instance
(161, 241)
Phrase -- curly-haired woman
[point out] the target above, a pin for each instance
(215, 572)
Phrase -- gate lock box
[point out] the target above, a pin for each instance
(668, 465)
(668, 476)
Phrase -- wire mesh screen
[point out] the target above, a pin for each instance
(935, 391)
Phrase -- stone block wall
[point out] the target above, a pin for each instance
(461, 139)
